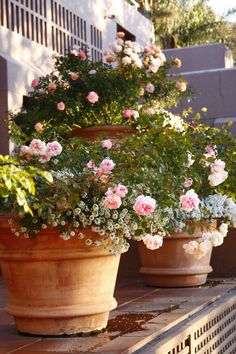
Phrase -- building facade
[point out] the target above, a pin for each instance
(32, 30)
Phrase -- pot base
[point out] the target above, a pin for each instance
(62, 326)
(175, 281)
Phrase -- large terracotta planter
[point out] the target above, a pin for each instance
(55, 286)
(171, 266)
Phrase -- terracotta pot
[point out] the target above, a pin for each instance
(55, 286)
(108, 131)
(171, 266)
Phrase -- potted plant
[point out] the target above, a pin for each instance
(79, 93)
(189, 169)
(60, 261)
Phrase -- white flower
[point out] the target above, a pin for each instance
(223, 229)
(217, 178)
(152, 242)
(190, 159)
(217, 166)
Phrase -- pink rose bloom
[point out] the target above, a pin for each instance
(217, 178)
(126, 60)
(127, 113)
(116, 48)
(109, 192)
(189, 201)
(35, 83)
(144, 205)
(61, 106)
(38, 127)
(82, 55)
(188, 182)
(74, 76)
(210, 151)
(121, 190)
(155, 65)
(92, 97)
(90, 165)
(107, 165)
(181, 86)
(152, 242)
(150, 88)
(177, 62)
(53, 149)
(25, 150)
(37, 147)
(120, 35)
(44, 158)
(113, 201)
(104, 178)
(107, 144)
(128, 51)
(150, 111)
(217, 166)
(52, 86)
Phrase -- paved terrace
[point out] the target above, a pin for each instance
(147, 320)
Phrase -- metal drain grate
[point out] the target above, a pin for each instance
(211, 331)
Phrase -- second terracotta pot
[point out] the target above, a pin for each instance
(171, 266)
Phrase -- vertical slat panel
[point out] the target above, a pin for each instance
(7, 13)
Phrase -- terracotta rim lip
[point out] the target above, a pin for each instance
(97, 130)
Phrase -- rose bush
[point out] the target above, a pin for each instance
(81, 93)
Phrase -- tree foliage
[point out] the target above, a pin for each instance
(180, 23)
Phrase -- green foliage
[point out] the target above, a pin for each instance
(17, 184)
(180, 23)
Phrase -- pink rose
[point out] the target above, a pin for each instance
(44, 158)
(35, 83)
(120, 35)
(52, 86)
(61, 106)
(38, 127)
(104, 178)
(217, 166)
(37, 147)
(188, 182)
(113, 201)
(107, 144)
(217, 178)
(150, 88)
(181, 86)
(127, 113)
(210, 151)
(126, 60)
(82, 55)
(92, 97)
(109, 192)
(90, 165)
(121, 190)
(144, 205)
(53, 149)
(74, 76)
(189, 201)
(25, 150)
(155, 65)
(116, 48)
(177, 62)
(107, 164)
(152, 242)
(150, 111)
